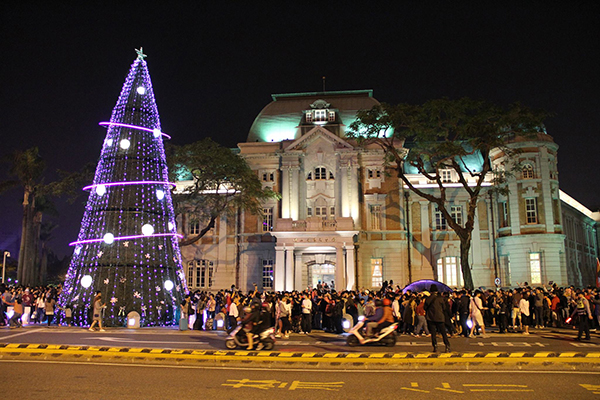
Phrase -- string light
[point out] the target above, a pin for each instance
(123, 258)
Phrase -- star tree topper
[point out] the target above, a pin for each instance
(140, 53)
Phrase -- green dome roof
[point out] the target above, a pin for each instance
(280, 119)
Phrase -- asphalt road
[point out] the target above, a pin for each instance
(89, 380)
(549, 340)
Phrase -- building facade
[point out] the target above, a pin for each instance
(346, 220)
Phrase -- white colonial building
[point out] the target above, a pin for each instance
(344, 220)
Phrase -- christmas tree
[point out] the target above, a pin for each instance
(127, 246)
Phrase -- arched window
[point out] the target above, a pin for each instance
(527, 171)
(320, 174)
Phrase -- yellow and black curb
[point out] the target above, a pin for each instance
(95, 352)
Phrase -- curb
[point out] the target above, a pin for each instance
(308, 357)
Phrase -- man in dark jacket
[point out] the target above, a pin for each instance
(464, 302)
(434, 307)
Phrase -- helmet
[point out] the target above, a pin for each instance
(386, 302)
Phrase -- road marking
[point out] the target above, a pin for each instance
(446, 387)
(510, 344)
(246, 368)
(22, 333)
(111, 339)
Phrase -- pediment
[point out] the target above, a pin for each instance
(314, 134)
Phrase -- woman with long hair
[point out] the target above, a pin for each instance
(97, 306)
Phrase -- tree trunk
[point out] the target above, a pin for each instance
(465, 245)
(25, 265)
(44, 264)
(34, 276)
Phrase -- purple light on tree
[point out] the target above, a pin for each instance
(127, 243)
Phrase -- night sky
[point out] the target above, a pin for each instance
(214, 67)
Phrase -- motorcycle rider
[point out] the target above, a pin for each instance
(383, 316)
(250, 322)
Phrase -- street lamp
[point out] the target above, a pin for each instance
(6, 254)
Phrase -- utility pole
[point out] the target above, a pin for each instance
(408, 235)
(6, 254)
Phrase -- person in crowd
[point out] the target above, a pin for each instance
(306, 309)
(584, 315)
(524, 311)
(49, 307)
(477, 309)
(97, 306)
(435, 308)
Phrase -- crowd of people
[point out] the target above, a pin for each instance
(465, 313)
(39, 303)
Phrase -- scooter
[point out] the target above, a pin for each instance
(238, 338)
(386, 336)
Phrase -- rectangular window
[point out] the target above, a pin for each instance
(448, 269)
(374, 173)
(331, 116)
(332, 212)
(268, 177)
(446, 175)
(190, 277)
(440, 220)
(267, 274)
(267, 225)
(456, 212)
(309, 116)
(375, 211)
(503, 214)
(199, 273)
(309, 211)
(320, 115)
(531, 211)
(535, 267)
(320, 173)
(194, 226)
(321, 212)
(376, 272)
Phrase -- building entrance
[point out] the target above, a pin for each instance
(323, 273)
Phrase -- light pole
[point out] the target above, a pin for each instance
(6, 254)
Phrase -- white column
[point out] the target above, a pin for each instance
(285, 192)
(425, 235)
(279, 269)
(344, 194)
(353, 192)
(298, 269)
(294, 193)
(476, 236)
(289, 269)
(350, 268)
(340, 283)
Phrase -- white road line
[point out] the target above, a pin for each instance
(20, 334)
(358, 371)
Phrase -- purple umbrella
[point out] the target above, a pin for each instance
(425, 284)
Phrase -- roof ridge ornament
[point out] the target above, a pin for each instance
(140, 53)
(320, 104)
